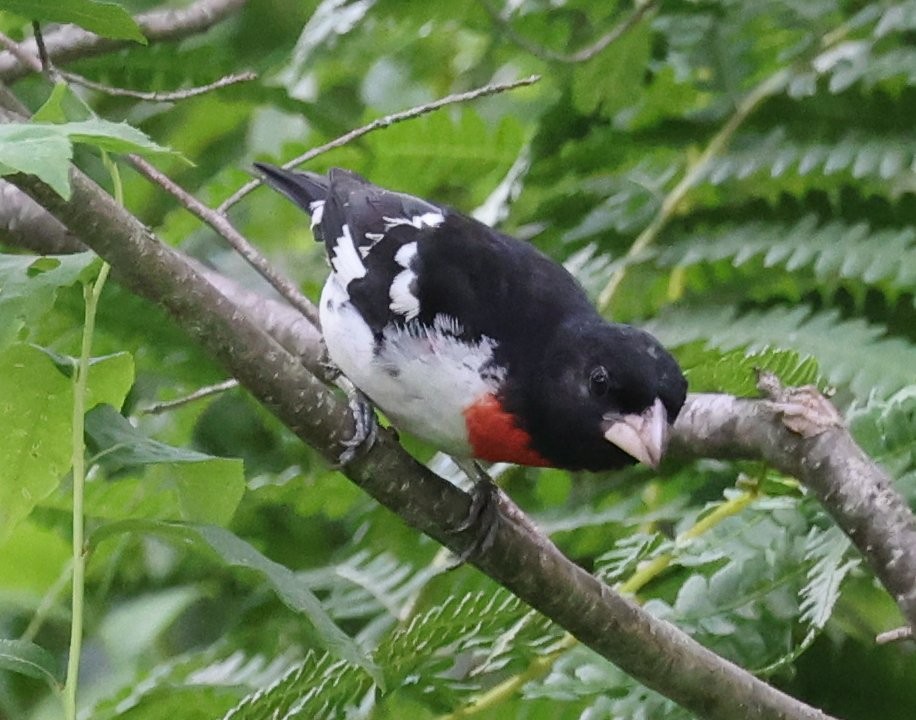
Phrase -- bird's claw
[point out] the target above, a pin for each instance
(482, 517)
(365, 427)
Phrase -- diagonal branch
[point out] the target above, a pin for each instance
(654, 652)
(71, 43)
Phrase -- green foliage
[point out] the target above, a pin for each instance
(45, 150)
(29, 659)
(102, 18)
(231, 573)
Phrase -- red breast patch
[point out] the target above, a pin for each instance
(494, 435)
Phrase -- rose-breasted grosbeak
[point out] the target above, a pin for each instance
(475, 341)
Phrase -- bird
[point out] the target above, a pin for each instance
(475, 341)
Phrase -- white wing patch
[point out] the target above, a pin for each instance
(374, 239)
(347, 263)
(427, 219)
(316, 210)
(403, 300)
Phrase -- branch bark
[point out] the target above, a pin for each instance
(798, 432)
(71, 43)
(652, 651)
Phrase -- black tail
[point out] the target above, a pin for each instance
(303, 188)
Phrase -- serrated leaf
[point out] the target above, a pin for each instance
(102, 18)
(30, 659)
(235, 552)
(849, 352)
(735, 372)
(441, 152)
(828, 550)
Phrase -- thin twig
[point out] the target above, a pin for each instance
(383, 122)
(157, 96)
(220, 223)
(40, 44)
(23, 56)
(198, 394)
(583, 55)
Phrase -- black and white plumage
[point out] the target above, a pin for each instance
(475, 341)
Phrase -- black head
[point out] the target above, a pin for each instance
(603, 396)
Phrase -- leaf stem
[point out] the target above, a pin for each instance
(79, 481)
(657, 565)
(671, 202)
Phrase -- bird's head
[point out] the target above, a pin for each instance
(606, 395)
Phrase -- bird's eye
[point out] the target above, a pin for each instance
(598, 381)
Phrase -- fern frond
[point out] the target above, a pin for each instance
(828, 549)
(832, 251)
(317, 688)
(887, 429)
(850, 352)
(773, 156)
(709, 370)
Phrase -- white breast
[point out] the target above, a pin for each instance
(421, 377)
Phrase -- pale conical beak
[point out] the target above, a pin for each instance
(641, 436)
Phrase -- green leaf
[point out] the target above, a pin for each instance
(119, 444)
(210, 492)
(37, 150)
(33, 558)
(29, 285)
(102, 18)
(53, 109)
(441, 152)
(613, 80)
(35, 417)
(45, 149)
(209, 488)
(734, 372)
(235, 552)
(110, 376)
(30, 659)
(111, 136)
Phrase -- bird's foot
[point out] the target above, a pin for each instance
(365, 426)
(483, 514)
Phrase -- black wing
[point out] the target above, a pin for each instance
(489, 283)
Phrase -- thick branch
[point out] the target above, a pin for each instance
(654, 652)
(71, 43)
(25, 223)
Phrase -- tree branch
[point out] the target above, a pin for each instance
(798, 432)
(71, 43)
(652, 651)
